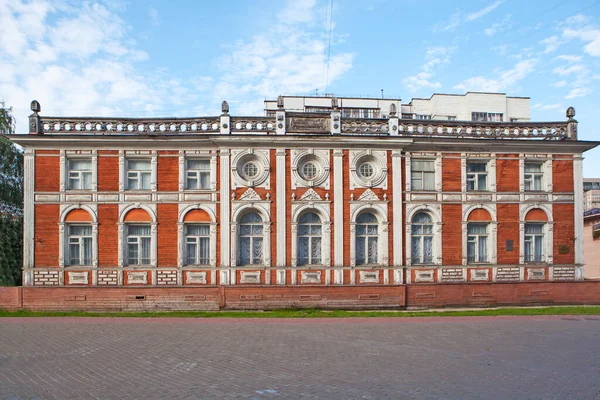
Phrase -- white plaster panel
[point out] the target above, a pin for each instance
(78, 278)
(137, 278)
(195, 277)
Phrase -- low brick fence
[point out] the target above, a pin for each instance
(274, 297)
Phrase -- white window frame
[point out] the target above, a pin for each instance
(210, 210)
(546, 172)
(65, 156)
(529, 242)
(197, 174)
(138, 174)
(79, 174)
(322, 210)
(238, 211)
(252, 237)
(490, 168)
(125, 156)
(80, 243)
(422, 174)
(311, 236)
(63, 232)
(475, 239)
(138, 243)
(379, 209)
(436, 157)
(548, 246)
(122, 234)
(474, 177)
(492, 232)
(436, 218)
(196, 242)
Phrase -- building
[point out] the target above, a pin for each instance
(472, 106)
(591, 234)
(591, 193)
(300, 198)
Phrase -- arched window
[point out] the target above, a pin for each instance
(478, 236)
(366, 239)
(197, 237)
(309, 239)
(535, 233)
(138, 231)
(79, 238)
(422, 239)
(251, 239)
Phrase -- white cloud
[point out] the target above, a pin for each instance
(578, 92)
(433, 56)
(569, 58)
(570, 70)
(504, 80)
(540, 106)
(498, 26)
(552, 43)
(153, 15)
(484, 11)
(559, 84)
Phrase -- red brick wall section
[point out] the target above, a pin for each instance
(564, 233)
(108, 172)
(47, 173)
(452, 234)
(108, 231)
(451, 173)
(507, 175)
(167, 235)
(168, 172)
(46, 235)
(508, 229)
(562, 176)
(341, 297)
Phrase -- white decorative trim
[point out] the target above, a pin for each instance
(435, 211)
(210, 209)
(338, 208)
(379, 209)
(280, 202)
(311, 195)
(492, 241)
(78, 278)
(546, 161)
(321, 157)
(437, 162)
(240, 157)
(369, 276)
(368, 195)
(238, 209)
(424, 275)
(122, 248)
(28, 213)
(378, 160)
(225, 212)
(195, 277)
(479, 274)
(321, 209)
(250, 195)
(65, 209)
(397, 211)
(137, 277)
(548, 231)
(250, 277)
(578, 209)
(490, 160)
(310, 277)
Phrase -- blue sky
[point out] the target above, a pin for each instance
(182, 58)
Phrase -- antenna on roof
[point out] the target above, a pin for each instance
(382, 93)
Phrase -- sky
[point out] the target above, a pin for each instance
(182, 58)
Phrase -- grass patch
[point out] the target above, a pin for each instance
(314, 313)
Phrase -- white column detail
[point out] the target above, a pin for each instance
(578, 189)
(28, 216)
(397, 213)
(225, 215)
(280, 206)
(338, 209)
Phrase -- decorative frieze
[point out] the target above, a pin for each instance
(563, 273)
(108, 278)
(166, 277)
(508, 274)
(450, 275)
(46, 278)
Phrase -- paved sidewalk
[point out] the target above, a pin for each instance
(355, 358)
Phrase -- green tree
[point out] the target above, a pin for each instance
(11, 203)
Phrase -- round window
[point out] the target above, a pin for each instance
(309, 170)
(366, 170)
(250, 170)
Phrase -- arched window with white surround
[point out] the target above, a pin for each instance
(197, 236)
(250, 239)
(367, 239)
(137, 235)
(78, 238)
(422, 237)
(535, 246)
(309, 239)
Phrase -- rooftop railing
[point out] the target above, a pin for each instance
(304, 123)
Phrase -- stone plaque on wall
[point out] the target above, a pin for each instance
(308, 125)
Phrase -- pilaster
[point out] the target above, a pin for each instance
(338, 208)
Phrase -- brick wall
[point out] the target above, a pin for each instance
(269, 297)
(451, 234)
(47, 171)
(507, 173)
(508, 229)
(168, 171)
(564, 233)
(167, 235)
(562, 176)
(108, 232)
(108, 170)
(46, 235)
(451, 173)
